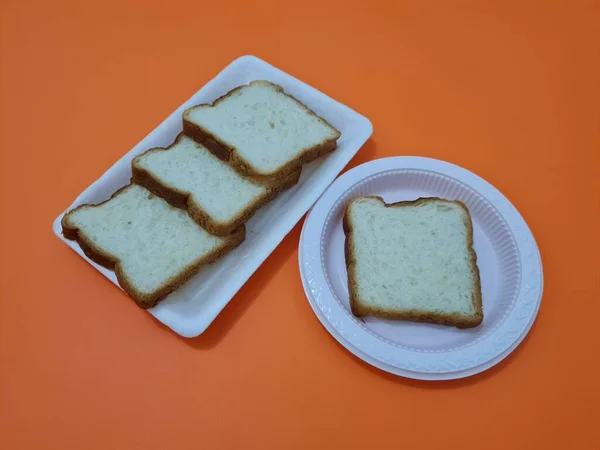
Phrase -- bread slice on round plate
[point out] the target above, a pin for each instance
(412, 260)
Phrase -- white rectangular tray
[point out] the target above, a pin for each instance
(191, 309)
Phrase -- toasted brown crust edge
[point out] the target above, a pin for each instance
(144, 301)
(229, 153)
(456, 320)
(184, 200)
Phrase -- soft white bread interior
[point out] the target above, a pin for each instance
(189, 176)
(263, 131)
(152, 246)
(413, 261)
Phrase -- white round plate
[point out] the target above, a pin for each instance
(507, 256)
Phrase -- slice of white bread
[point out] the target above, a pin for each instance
(189, 176)
(412, 261)
(152, 246)
(264, 132)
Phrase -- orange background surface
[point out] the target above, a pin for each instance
(509, 90)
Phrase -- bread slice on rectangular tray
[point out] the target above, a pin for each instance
(152, 246)
(189, 176)
(412, 261)
(264, 132)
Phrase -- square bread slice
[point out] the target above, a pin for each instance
(262, 131)
(189, 176)
(412, 261)
(152, 246)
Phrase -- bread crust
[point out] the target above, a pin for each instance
(184, 200)
(227, 152)
(359, 309)
(103, 258)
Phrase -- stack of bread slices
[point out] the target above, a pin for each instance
(187, 204)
